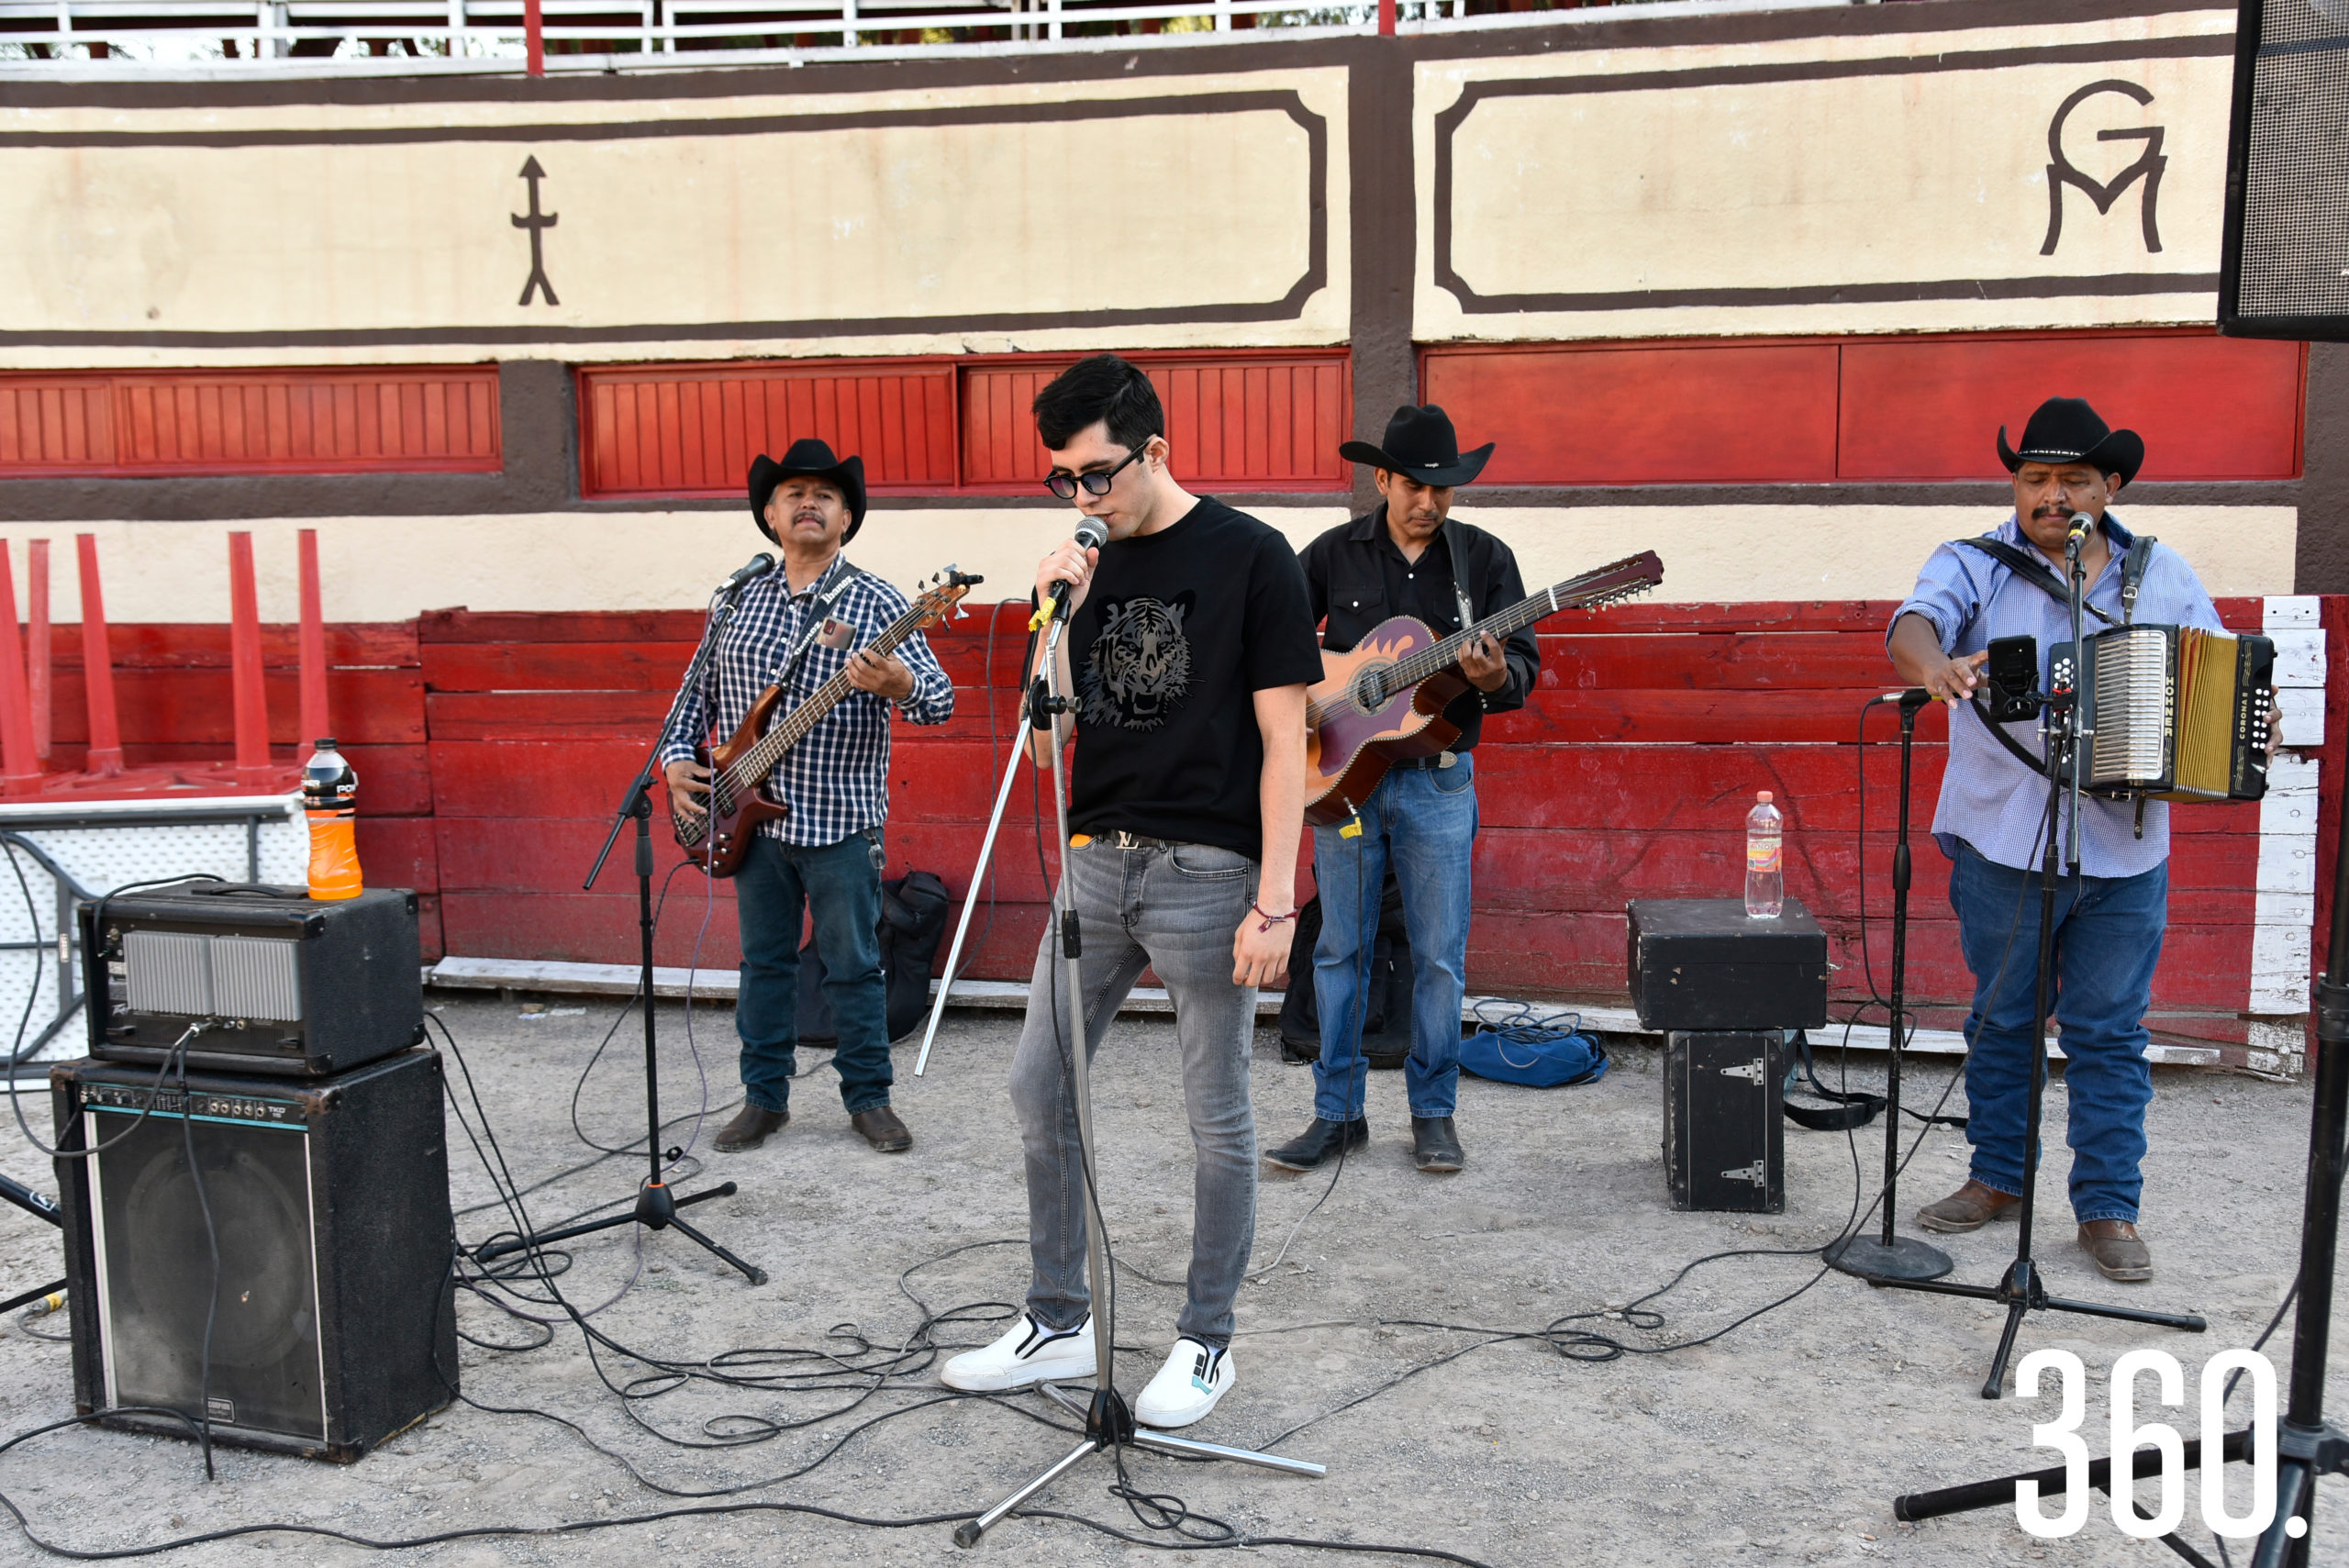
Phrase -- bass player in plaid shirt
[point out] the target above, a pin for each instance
(799, 627)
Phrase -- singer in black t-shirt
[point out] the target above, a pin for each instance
(1188, 653)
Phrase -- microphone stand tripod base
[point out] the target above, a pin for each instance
(1866, 1257)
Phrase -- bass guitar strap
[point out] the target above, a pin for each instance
(818, 613)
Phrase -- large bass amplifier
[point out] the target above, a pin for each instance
(335, 1324)
(1724, 1121)
(273, 980)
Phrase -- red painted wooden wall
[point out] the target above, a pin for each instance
(427, 419)
(1628, 776)
(1862, 409)
(492, 749)
(1242, 420)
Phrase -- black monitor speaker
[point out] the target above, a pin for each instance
(335, 1327)
(2284, 268)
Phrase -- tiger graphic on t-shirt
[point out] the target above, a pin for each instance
(1139, 670)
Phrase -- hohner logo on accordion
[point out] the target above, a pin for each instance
(2175, 713)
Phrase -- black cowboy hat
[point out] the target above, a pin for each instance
(812, 457)
(2065, 429)
(1421, 444)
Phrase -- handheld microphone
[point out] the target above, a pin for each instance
(1091, 534)
(758, 567)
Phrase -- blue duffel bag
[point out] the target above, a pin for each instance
(1514, 1044)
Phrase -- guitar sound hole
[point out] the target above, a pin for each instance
(1370, 692)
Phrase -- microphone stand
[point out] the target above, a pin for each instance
(2022, 1290)
(656, 1205)
(1890, 1256)
(1109, 1423)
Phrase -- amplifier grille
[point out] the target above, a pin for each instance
(255, 977)
(168, 972)
(183, 974)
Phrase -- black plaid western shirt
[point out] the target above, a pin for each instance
(835, 781)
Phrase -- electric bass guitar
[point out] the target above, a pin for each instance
(1383, 700)
(739, 768)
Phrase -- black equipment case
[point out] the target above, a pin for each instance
(335, 1325)
(284, 984)
(1724, 1125)
(1702, 964)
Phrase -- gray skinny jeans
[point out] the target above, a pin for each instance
(1174, 910)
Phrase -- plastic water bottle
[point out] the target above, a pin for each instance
(331, 800)
(1766, 860)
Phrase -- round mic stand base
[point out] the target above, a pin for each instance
(1906, 1259)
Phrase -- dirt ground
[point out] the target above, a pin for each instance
(1785, 1441)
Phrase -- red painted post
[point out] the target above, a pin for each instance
(314, 651)
(244, 665)
(36, 649)
(98, 665)
(19, 769)
(534, 42)
(1386, 18)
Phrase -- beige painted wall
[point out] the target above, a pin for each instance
(971, 218)
(1902, 177)
(392, 568)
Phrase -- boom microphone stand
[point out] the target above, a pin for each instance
(1890, 1256)
(1109, 1423)
(656, 1205)
(2022, 1290)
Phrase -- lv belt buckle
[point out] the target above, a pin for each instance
(1126, 841)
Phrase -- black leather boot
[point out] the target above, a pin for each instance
(1319, 1142)
(1434, 1146)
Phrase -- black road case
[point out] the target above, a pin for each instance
(1724, 1126)
(1700, 963)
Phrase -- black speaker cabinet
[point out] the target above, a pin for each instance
(280, 981)
(1700, 963)
(2284, 259)
(1724, 1123)
(336, 1323)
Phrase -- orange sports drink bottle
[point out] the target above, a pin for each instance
(330, 799)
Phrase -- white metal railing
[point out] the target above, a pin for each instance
(84, 37)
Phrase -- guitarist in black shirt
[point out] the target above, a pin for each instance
(1406, 558)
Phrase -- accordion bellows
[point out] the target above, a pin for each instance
(2175, 713)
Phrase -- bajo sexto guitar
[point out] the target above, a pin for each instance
(1383, 700)
(740, 767)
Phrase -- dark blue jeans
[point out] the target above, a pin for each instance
(1423, 822)
(840, 886)
(2108, 939)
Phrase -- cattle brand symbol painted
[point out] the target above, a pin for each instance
(534, 222)
(1139, 670)
(2148, 166)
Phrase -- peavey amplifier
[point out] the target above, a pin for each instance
(335, 1325)
(279, 983)
(1724, 1133)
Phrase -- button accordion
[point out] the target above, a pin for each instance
(2172, 713)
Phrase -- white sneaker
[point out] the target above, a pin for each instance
(1187, 1386)
(1027, 1353)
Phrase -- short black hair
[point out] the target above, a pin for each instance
(1104, 388)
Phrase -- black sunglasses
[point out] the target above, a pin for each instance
(1097, 482)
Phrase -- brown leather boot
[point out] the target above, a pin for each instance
(882, 1130)
(1970, 1207)
(749, 1128)
(2117, 1249)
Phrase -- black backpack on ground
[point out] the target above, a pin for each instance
(913, 921)
(1386, 1021)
